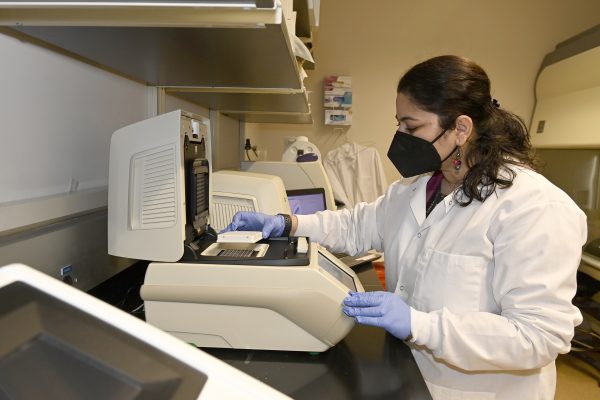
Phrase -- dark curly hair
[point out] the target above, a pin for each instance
(450, 86)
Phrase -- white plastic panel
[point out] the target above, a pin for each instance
(129, 233)
(226, 205)
(235, 191)
(153, 198)
(568, 100)
(224, 382)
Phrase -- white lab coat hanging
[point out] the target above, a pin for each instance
(355, 173)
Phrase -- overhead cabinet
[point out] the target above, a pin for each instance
(233, 56)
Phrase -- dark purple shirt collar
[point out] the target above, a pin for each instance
(433, 186)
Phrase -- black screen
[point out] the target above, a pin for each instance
(306, 201)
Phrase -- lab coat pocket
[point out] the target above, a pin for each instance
(453, 281)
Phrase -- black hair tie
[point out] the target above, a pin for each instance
(495, 103)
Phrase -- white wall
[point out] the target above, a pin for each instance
(56, 119)
(376, 42)
(57, 116)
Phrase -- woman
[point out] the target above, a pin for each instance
(481, 255)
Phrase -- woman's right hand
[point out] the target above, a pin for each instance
(269, 225)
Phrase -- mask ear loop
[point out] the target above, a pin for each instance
(438, 136)
(436, 139)
(452, 152)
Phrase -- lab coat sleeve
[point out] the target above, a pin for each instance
(352, 231)
(537, 250)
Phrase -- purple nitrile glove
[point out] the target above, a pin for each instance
(383, 309)
(270, 225)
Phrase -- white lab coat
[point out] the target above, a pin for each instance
(355, 173)
(490, 284)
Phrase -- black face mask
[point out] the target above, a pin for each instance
(413, 156)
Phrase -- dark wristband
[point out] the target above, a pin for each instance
(287, 225)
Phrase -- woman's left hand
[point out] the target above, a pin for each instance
(382, 309)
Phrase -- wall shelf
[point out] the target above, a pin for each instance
(236, 55)
(277, 118)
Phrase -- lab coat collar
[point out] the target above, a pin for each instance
(417, 200)
(419, 191)
(450, 200)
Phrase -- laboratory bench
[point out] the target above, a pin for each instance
(367, 364)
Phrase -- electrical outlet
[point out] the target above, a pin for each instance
(541, 125)
(73, 185)
(66, 270)
(66, 274)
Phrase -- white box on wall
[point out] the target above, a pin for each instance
(337, 100)
(338, 117)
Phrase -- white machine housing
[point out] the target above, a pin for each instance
(222, 380)
(146, 185)
(160, 187)
(568, 95)
(234, 191)
(253, 306)
(296, 175)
